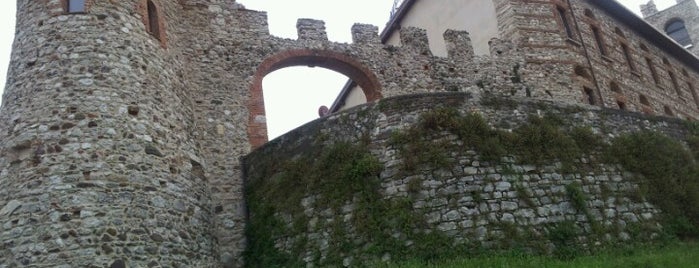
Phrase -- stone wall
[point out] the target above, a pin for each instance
(97, 168)
(565, 65)
(686, 10)
(454, 204)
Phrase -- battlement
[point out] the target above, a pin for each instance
(415, 39)
(311, 30)
(365, 34)
(458, 44)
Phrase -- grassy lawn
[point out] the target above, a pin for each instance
(674, 256)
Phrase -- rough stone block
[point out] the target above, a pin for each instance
(458, 45)
(415, 39)
(365, 34)
(310, 29)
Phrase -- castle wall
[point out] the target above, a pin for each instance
(687, 11)
(430, 206)
(97, 168)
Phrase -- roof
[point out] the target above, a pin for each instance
(394, 23)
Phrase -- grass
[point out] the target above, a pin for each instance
(676, 255)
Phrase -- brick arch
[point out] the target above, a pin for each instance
(341, 63)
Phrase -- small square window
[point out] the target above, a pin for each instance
(76, 6)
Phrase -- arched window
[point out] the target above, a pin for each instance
(678, 32)
(619, 32)
(563, 15)
(622, 105)
(588, 13)
(668, 111)
(75, 6)
(153, 20)
(589, 96)
(582, 72)
(615, 88)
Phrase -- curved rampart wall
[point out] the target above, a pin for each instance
(450, 195)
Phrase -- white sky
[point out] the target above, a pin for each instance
(291, 97)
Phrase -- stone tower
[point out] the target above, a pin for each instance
(97, 167)
(681, 22)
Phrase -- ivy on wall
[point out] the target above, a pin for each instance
(335, 179)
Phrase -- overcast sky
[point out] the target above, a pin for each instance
(291, 97)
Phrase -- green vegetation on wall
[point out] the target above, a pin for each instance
(669, 177)
(540, 141)
(301, 204)
(334, 177)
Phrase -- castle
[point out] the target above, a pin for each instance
(123, 123)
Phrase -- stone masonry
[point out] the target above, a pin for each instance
(122, 126)
(473, 201)
(685, 10)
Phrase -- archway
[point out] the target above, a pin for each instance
(341, 63)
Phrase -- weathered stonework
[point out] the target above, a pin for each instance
(685, 10)
(471, 202)
(119, 148)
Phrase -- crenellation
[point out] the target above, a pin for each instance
(415, 39)
(649, 9)
(252, 20)
(365, 34)
(311, 30)
(459, 45)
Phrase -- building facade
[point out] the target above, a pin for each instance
(618, 60)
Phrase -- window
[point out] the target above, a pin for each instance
(619, 32)
(627, 56)
(75, 6)
(676, 30)
(588, 13)
(590, 95)
(564, 19)
(668, 111)
(153, 20)
(614, 87)
(653, 72)
(598, 39)
(675, 85)
(622, 105)
(582, 72)
(644, 47)
(694, 93)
